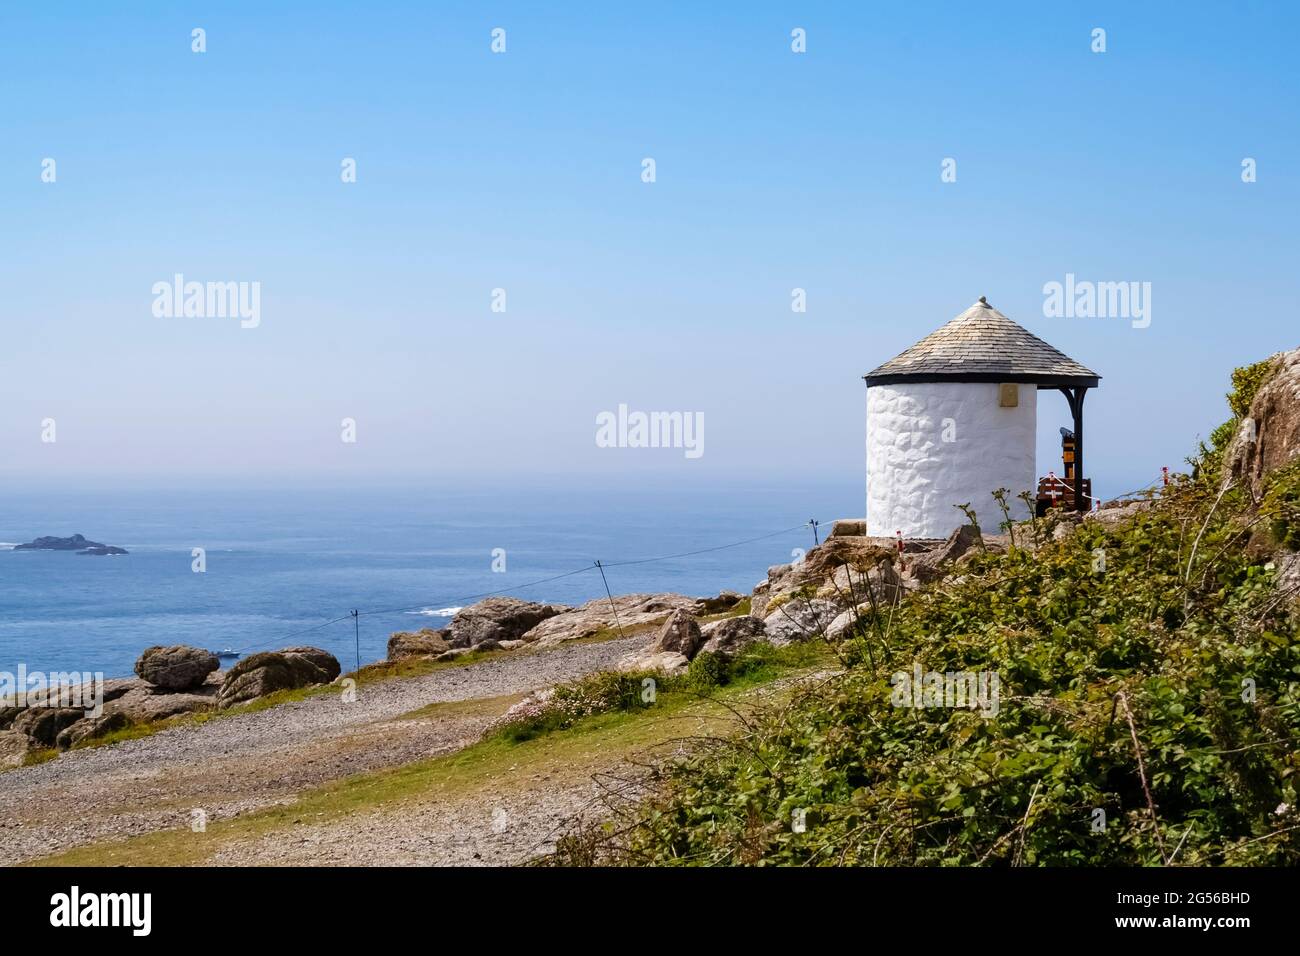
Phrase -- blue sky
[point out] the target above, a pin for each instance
(522, 171)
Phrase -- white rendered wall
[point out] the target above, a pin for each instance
(914, 476)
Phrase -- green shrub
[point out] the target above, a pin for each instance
(1282, 501)
(618, 691)
(706, 670)
(1221, 437)
(605, 691)
(562, 706)
(1246, 383)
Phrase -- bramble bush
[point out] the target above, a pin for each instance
(1246, 383)
(562, 706)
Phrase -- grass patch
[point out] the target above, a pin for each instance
(39, 756)
(764, 663)
(131, 732)
(474, 707)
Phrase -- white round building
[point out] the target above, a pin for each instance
(954, 418)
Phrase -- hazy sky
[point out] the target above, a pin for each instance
(523, 171)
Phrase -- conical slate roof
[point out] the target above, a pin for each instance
(983, 345)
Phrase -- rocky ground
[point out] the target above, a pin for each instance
(241, 762)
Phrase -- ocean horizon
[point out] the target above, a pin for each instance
(287, 566)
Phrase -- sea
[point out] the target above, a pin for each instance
(242, 570)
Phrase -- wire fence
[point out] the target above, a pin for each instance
(812, 525)
(465, 599)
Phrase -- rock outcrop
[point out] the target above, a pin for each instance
(783, 580)
(846, 623)
(849, 528)
(676, 642)
(680, 634)
(88, 728)
(665, 662)
(78, 543)
(680, 639)
(14, 747)
(1287, 568)
(932, 565)
(178, 667)
(42, 725)
(422, 643)
(629, 611)
(725, 601)
(45, 720)
(861, 554)
(143, 706)
(800, 620)
(260, 674)
(1112, 514)
(836, 561)
(505, 623)
(732, 635)
(848, 586)
(498, 619)
(1269, 435)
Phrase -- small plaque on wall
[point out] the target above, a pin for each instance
(1009, 395)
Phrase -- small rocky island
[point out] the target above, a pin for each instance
(77, 543)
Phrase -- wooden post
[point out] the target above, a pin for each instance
(356, 631)
(1076, 406)
(1075, 397)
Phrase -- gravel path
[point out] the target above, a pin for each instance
(509, 819)
(516, 823)
(235, 764)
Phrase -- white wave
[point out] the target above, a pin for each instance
(8, 545)
(440, 612)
